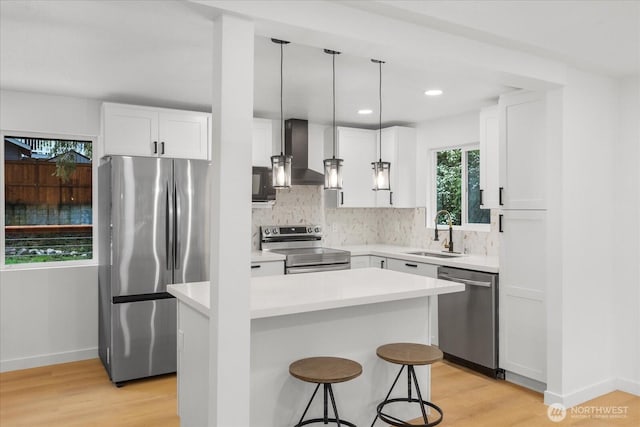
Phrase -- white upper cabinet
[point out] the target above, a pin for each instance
(262, 142)
(522, 140)
(358, 149)
(489, 158)
(144, 131)
(399, 148)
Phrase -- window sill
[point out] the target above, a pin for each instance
(49, 265)
(484, 228)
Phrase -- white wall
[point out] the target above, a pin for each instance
(587, 348)
(445, 132)
(626, 233)
(48, 315)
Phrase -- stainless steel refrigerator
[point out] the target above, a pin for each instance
(153, 225)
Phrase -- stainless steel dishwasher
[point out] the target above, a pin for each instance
(468, 321)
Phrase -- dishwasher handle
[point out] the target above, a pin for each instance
(446, 276)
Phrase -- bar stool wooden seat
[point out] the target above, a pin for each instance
(408, 355)
(325, 371)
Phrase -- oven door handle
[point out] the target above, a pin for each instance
(316, 268)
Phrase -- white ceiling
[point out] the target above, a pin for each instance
(159, 53)
(597, 35)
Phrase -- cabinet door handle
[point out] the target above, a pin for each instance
(342, 197)
(155, 147)
(382, 264)
(411, 265)
(500, 190)
(255, 266)
(481, 202)
(500, 223)
(162, 147)
(391, 197)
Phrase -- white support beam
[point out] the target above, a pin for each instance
(229, 320)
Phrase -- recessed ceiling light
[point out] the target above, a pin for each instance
(433, 92)
(365, 111)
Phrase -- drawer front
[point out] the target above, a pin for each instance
(421, 269)
(272, 268)
(360, 261)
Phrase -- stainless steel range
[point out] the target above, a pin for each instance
(302, 246)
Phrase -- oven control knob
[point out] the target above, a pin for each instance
(317, 229)
(309, 230)
(274, 231)
(267, 231)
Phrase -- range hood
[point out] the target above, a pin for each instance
(296, 144)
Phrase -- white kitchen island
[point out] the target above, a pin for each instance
(345, 313)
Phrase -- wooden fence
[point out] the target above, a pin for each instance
(33, 182)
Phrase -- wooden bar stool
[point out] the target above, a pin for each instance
(409, 355)
(325, 371)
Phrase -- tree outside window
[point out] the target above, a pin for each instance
(458, 186)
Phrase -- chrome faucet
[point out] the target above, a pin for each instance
(435, 220)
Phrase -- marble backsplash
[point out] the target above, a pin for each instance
(355, 226)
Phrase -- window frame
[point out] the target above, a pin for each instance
(433, 191)
(94, 201)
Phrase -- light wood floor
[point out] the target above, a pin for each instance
(80, 394)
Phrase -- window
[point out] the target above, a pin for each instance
(457, 186)
(48, 200)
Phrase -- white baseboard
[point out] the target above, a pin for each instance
(48, 359)
(525, 382)
(628, 386)
(581, 395)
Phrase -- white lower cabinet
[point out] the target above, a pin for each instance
(522, 309)
(193, 367)
(360, 261)
(368, 261)
(421, 269)
(268, 268)
(377, 261)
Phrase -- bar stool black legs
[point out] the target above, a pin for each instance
(389, 419)
(325, 371)
(408, 355)
(328, 391)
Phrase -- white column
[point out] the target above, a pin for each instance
(229, 322)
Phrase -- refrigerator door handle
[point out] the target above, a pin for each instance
(168, 229)
(176, 233)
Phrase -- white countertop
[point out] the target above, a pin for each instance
(488, 264)
(266, 256)
(300, 293)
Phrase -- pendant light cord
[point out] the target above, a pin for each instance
(334, 106)
(281, 107)
(380, 116)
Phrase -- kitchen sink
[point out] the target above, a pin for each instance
(437, 254)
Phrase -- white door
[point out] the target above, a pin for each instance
(130, 130)
(489, 157)
(522, 286)
(384, 199)
(262, 142)
(523, 173)
(184, 135)
(358, 149)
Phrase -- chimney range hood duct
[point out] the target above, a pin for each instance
(296, 144)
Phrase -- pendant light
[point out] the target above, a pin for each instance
(380, 169)
(281, 165)
(333, 166)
